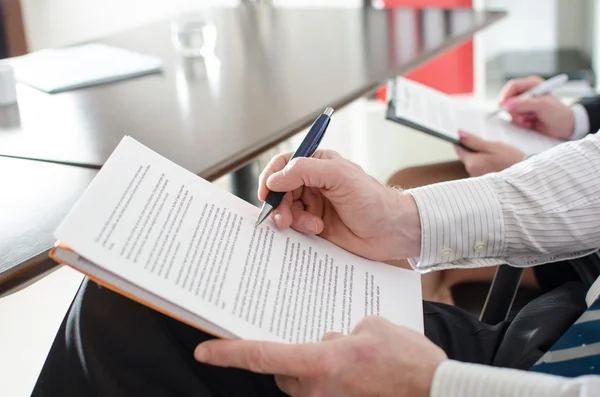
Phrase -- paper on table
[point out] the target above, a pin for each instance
(68, 68)
(439, 112)
(147, 220)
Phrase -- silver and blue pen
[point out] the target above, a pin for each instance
(306, 149)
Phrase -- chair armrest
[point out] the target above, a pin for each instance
(501, 295)
(587, 268)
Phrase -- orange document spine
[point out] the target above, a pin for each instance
(120, 292)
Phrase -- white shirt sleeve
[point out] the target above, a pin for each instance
(455, 379)
(544, 209)
(582, 122)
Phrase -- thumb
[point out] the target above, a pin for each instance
(263, 357)
(331, 336)
(306, 171)
(471, 141)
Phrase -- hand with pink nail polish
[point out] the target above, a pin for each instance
(544, 114)
(334, 198)
(488, 156)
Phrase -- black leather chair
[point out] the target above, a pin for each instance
(505, 287)
(540, 323)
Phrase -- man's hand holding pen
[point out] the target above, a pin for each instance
(334, 198)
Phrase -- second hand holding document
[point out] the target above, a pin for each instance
(435, 113)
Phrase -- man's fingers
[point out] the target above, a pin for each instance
(371, 324)
(277, 163)
(288, 384)
(305, 222)
(313, 202)
(518, 86)
(331, 336)
(263, 357)
(309, 172)
(282, 215)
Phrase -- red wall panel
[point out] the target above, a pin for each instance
(451, 72)
(428, 3)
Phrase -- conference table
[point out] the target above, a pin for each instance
(272, 72)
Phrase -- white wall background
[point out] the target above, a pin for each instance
(536, 25)
(51, 23)
(572, 21)
(593, 32)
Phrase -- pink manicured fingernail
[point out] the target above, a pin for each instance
(277, 219)
(312, 226)
(462, 134)
(510, 104)
(527, 124)
(530, 116)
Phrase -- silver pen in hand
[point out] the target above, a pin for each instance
(544, 88)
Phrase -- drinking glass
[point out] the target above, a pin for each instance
(194, 36)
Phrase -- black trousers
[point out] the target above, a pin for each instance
(111, 346)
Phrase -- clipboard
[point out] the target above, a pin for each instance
(390, 114)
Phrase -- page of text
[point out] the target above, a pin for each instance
(170, 232)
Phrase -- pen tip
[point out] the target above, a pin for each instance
(264, 213)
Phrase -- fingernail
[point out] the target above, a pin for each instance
(312, 226)
(527, 124)
(530, 116)
(462, 134)
(510, 104)
(201, 353)
(277, 219)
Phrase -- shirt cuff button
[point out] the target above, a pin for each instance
(480, 247)
(446, 252)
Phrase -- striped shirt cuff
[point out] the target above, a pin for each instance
(582, 122)
(461, 225)
(456, 379)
